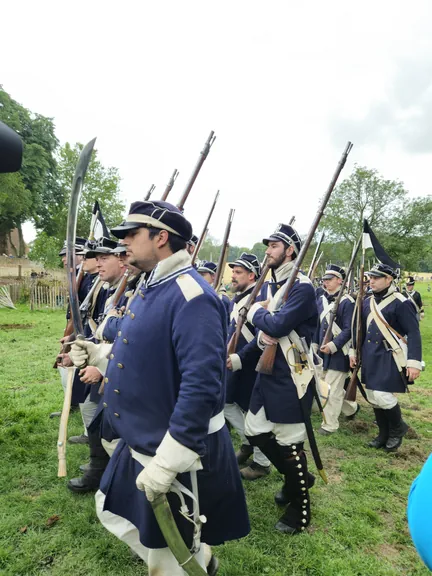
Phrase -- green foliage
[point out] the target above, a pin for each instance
(15, 205)
(45, 250)
(358, 527)
(39, 164)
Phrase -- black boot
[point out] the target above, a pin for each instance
(243, 455)
(99, 459)
(397, 429)
(382, 422)
(297, 515)
(281, 497)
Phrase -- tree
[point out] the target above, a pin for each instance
(15, 203)
(45, 249)
(38, 172)
(364, 194)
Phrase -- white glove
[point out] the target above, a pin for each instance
(84, 352)
(171, 458)
(422, 315)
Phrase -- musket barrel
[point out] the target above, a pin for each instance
(200, 162)
(170, 185)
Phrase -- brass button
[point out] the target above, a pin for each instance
(106, 380)
(117, 391)
(141, 294)
(119, 365)
(111, 356)
(132, 316)
(368, 340)
(119, 333)
(125, 341)
(128, 312)
(116, 415)
(278, 286)
(105, 405)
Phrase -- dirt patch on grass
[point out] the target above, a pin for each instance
(412, 434)
(16, 326)
(388, 551)
(408, 455)
(358, 427)
(333, 457)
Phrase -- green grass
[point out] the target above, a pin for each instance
(358, 526)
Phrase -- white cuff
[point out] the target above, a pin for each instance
(352, 353)
(259, 341)
(414, 364)
(236, 362)
(174, 456)
(253, 309)
(315, 347)
(332, 347)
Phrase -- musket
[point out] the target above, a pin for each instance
(266, 362)
(170, 185)
(224, 252)
(313, 266)
(243, 312)
(332, 315)
(203, 155)
(77, 183)
(149, 193)
(354, 383)
(119, 291)
(205, 230)
(86, 302)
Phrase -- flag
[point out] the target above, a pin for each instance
(371, 241)
(98, 226)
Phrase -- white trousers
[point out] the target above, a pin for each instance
(236, 417)
(383, 400)
(336, 402)
(109, 447)
(285, 434)
(161, 561)
(88, 410)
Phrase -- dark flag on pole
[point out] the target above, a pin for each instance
(98, 225)
(371, 241)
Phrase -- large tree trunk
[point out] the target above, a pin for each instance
(11, 244)
(21, 247)
(3, 243)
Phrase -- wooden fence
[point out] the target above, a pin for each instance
(39, 296)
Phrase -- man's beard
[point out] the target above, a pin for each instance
(276, 262)
(239, 287)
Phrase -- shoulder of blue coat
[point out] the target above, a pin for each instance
(400, 297)
(348, 297)
(303, 279)
(189, 286)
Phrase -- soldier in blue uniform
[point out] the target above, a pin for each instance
(275, 421)
(208, 270)
(414, 297)
(391, 354)
(240, 383)
(111, 269)
(165, 390)
(335, 354)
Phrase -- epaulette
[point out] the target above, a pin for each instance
(303, 279)
(347, 297)
(400, 296)
(189, 286)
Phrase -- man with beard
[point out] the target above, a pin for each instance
(240, 382)
(335, 353)
(165, 391)
(208, 271)
(275, 420)
(390, 354)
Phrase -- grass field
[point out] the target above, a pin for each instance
(358, 526)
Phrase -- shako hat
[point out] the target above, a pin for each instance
(410, 281)
(162, 215)
(248, 261)
(334, 270)
(101, 246)
(206, 266)
(382, 270)
(286, 234)
(193, 241)
(79, 246)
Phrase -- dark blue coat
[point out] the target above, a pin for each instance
(240, 384)
(167, 372)
(339, 360)
(379, 370)
(277, 392)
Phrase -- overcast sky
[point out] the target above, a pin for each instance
(283, 84)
